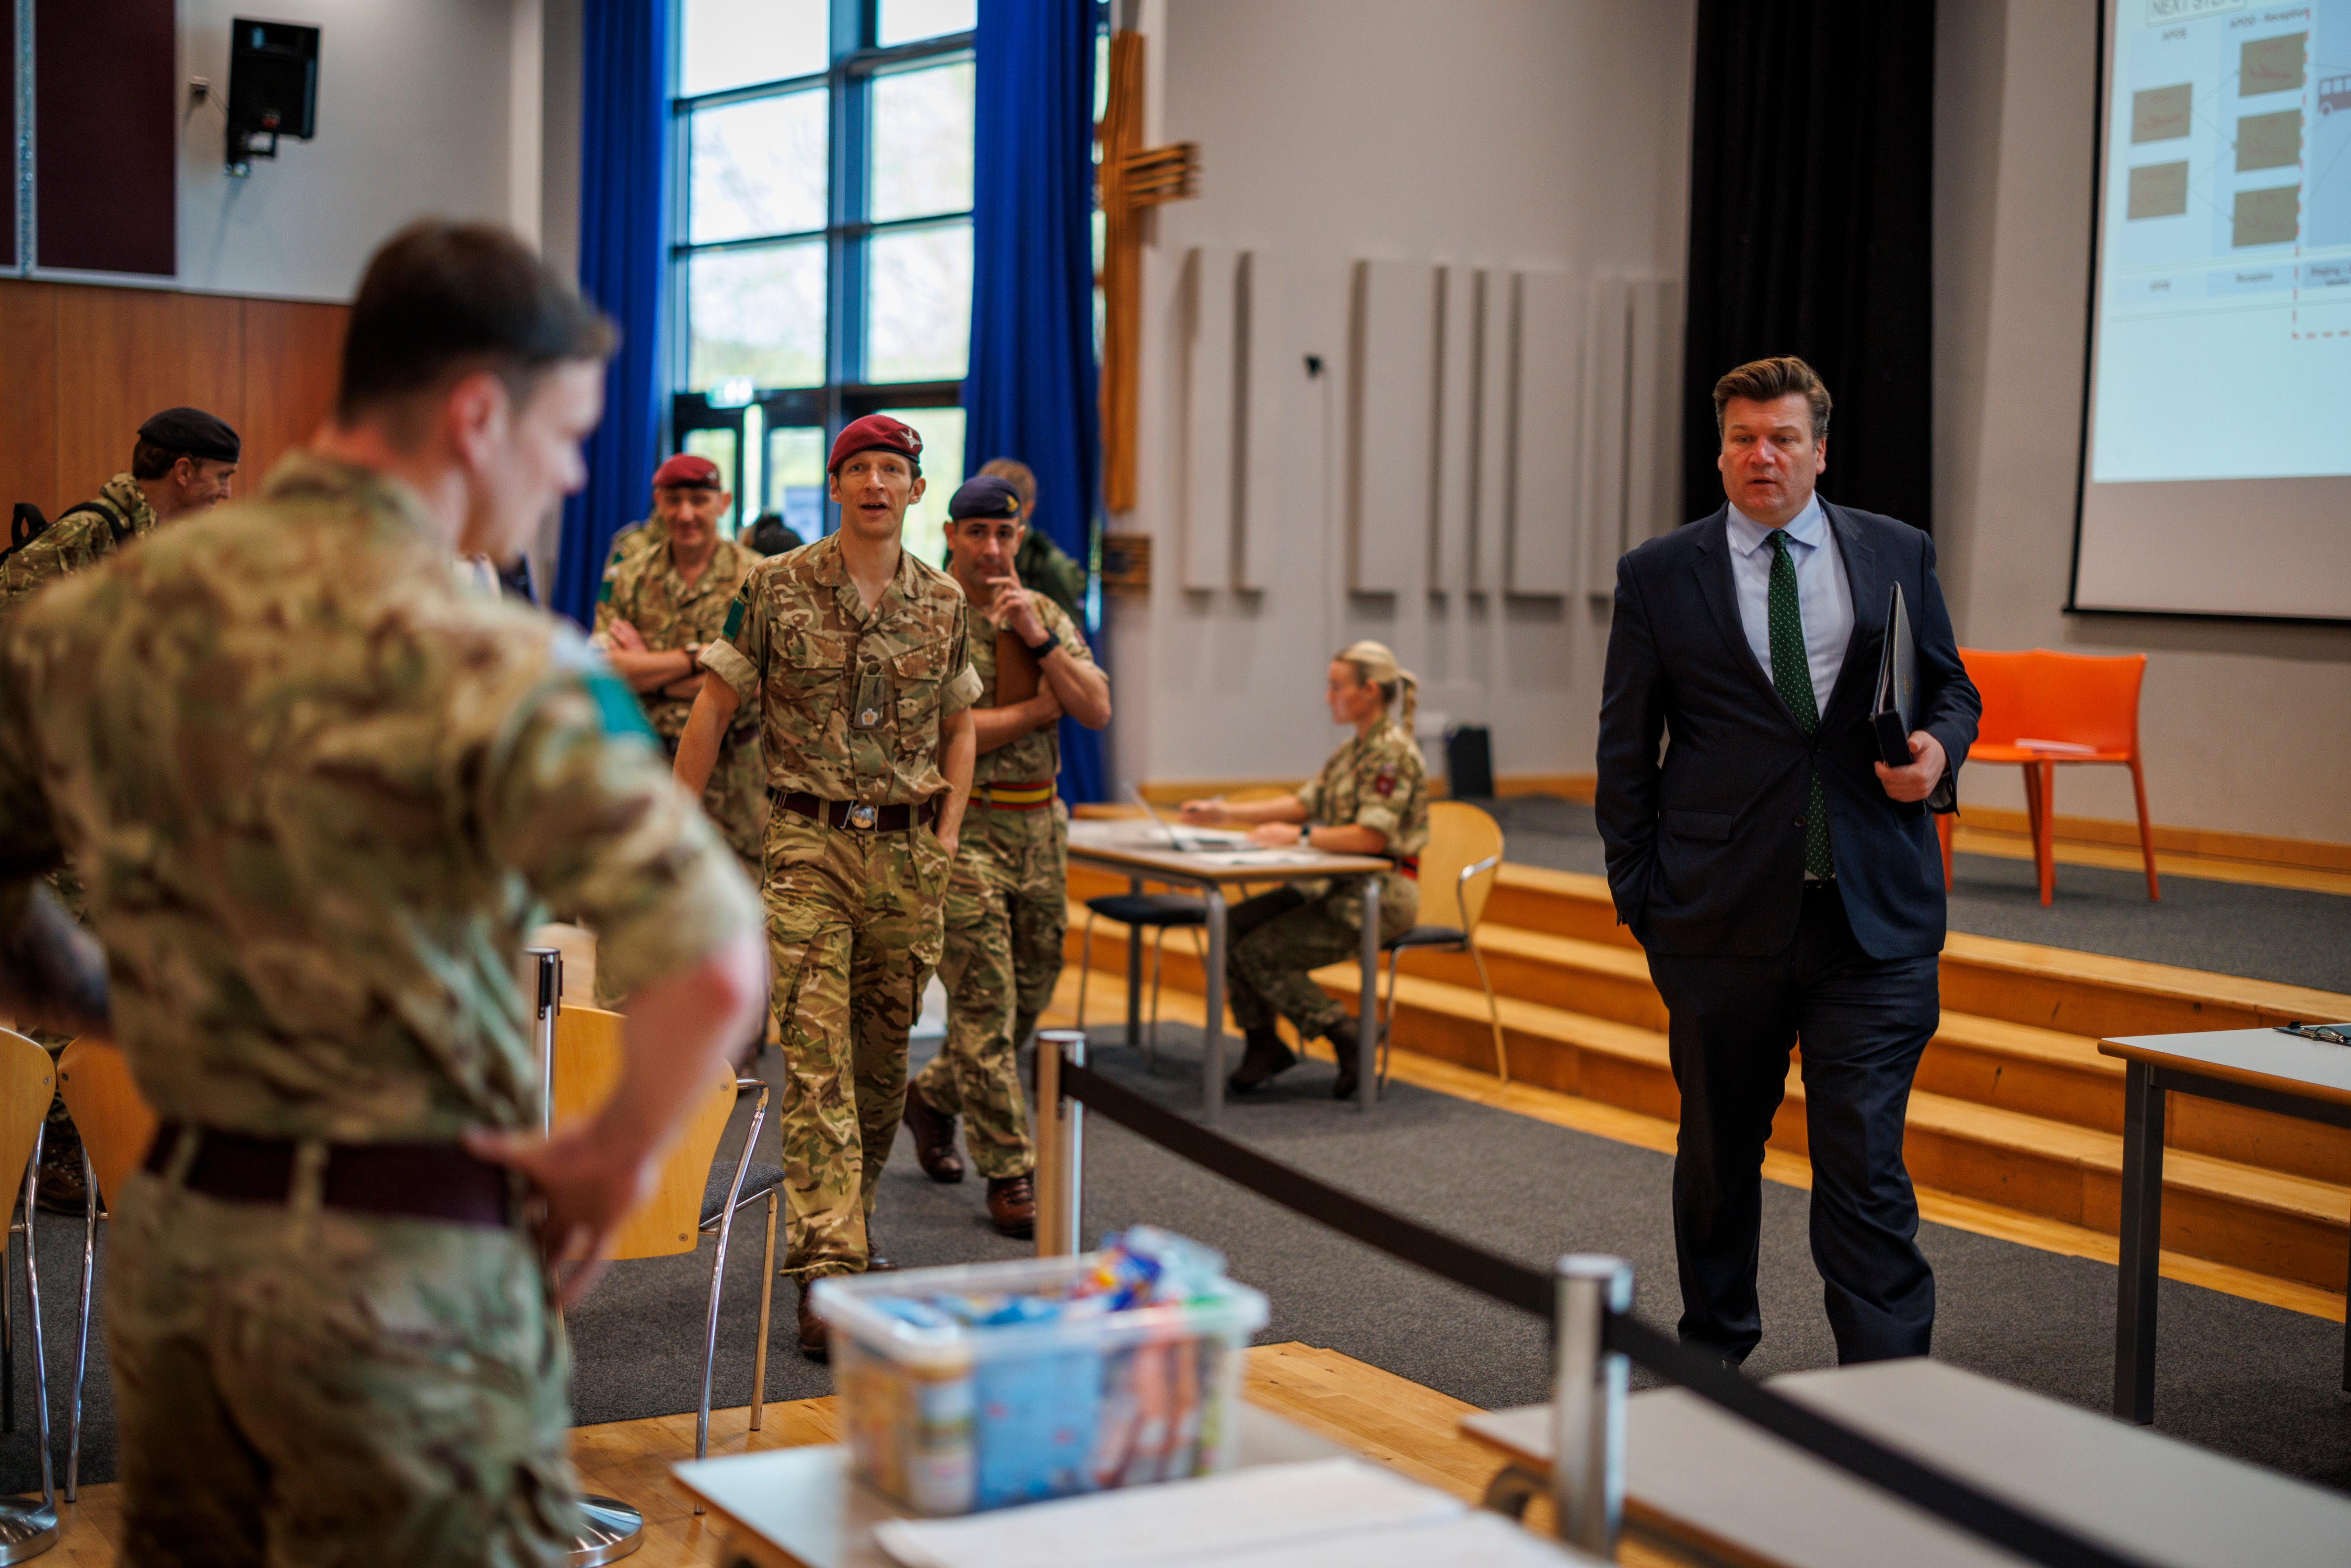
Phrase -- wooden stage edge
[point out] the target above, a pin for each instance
(1414, 1430)
(1106, 1000)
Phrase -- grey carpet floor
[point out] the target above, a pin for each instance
(2262, 933)
(2246, 1379)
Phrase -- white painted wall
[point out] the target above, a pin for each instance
(418, 116)
(2245, 726)
(1547, 135)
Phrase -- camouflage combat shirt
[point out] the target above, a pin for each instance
(851, 705)
(1377, 780)
(318, 791)
(1035, 757)
(76, 540)
(636, 538)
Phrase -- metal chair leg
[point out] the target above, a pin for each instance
(1387, 1027)
(81, 1326)
(767, 1298)
(1493, 1013)
(1085, 966)
(1151, 1035)
(33, 1310)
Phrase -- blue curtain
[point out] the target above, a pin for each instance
(624, 268)
(1031, 393)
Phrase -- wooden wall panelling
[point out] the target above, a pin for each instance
(125, 353)
(1265, 366)
(1653, 463)
(292, 355)
(1205, 413)
(1496, 301)
(28, 400)
(1455, 468)
(1391, 392)
(1541, 553)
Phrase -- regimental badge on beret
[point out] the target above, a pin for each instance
(985, 497)
(876, 430)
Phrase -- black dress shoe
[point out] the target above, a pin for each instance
(934, 1139)
(1265, 1057)
(1344, 1041)
(815, 1343)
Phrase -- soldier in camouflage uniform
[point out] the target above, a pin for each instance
(184, 461)
(1041, 564)
(1008, 901)
(320, 790)
(1371, 798)
(853, 652)
(657, 606)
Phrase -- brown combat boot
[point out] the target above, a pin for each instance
(1012, 1205)
(934, 1139)
(814, 1345)
(1265, 1057)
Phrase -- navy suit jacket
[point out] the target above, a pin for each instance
(1706, 846)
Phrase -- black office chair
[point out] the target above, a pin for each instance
(1137, 910)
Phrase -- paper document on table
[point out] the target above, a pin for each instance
(1261, 1508)
(1476, 1539)
(1260, 857)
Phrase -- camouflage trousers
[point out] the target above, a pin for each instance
(1008, 906)
(1274, 943)
(308, 1386)
(853, 931)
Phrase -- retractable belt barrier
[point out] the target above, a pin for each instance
(1955, 1502)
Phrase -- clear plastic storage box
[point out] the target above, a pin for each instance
(952, 1419)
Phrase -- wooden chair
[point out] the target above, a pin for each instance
(28, 1082)
(2043, 709)
(116, 1128)
(698, 1195)
(1458, 871)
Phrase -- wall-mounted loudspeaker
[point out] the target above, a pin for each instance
(273, 88)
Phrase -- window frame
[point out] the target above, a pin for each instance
(856, 62)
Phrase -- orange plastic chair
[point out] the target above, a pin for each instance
(2043, 709)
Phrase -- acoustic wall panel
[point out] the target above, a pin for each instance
(1203, 407)
(1494, 306)
(1629, 480)
(1540, 558)
(1391, 409)
(1265, 313)
(1455, 439)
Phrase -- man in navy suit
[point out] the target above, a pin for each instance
(1785, 881)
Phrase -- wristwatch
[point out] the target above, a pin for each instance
(1038, 651)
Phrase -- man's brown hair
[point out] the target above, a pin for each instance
(442, 300)
(1763, 380)
(149, 461)
(1018, 474)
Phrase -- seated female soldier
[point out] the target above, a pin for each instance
(1371, 798)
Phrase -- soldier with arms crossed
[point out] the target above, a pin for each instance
(319, 789)
(658, 606)
(1008, 901)
(855, 653)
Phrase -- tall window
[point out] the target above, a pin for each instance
(823, 259)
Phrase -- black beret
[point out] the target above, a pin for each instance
(986, 496)
(192, 431)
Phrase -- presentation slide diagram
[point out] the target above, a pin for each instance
(2224, 286)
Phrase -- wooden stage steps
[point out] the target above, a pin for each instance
(2013, 1104)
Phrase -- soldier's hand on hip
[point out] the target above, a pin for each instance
(584, 1188)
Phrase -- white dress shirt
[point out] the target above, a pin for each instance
(1823, 596)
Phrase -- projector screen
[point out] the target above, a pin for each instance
(2217, 462)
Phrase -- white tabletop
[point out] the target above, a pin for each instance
(2262, 1057)
(804, 1507)
(1134, 844)
(1699, 1473)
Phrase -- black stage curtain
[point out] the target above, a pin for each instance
(1812, 201)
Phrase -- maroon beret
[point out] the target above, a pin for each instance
(687, 472)
(876, 430)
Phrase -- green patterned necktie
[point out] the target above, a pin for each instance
(1792, 672)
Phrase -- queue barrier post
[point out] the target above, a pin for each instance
(546, 978)
(1588, 1405)
(1061, 1146)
